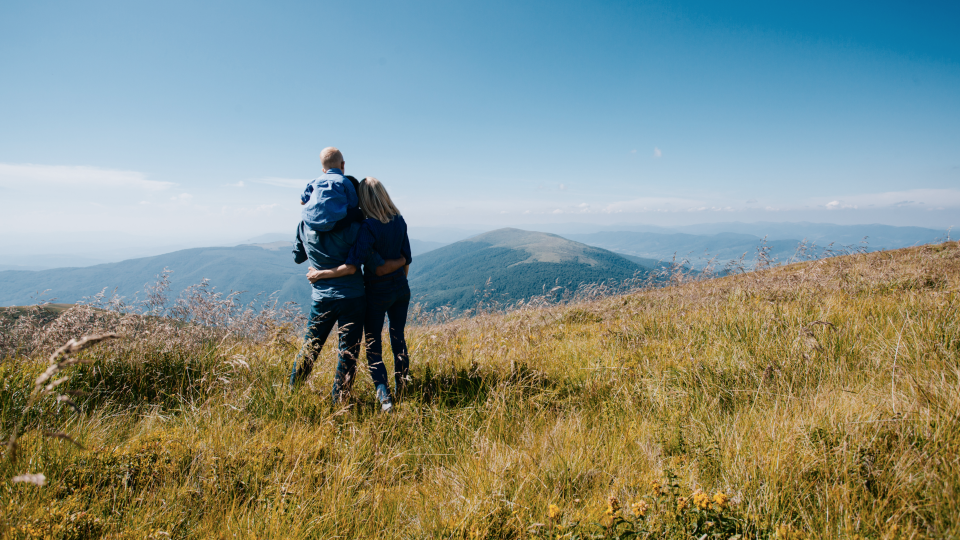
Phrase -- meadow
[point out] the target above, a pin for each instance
(813, 400)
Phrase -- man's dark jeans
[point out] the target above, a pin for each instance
(347, 313)
(391, 300)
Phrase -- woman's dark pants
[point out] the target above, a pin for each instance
(389, 299)
(347, 314)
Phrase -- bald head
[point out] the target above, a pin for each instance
(331, 158)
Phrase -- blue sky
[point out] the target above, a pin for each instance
(203, 120)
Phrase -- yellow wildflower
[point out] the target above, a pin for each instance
(681, 504)
(657, 490)
(721, 499)
(553, 511)
(613, 505)
(640, 508)
(701, 499)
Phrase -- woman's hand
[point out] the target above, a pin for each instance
(390, 266)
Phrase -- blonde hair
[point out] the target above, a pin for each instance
(331, 158)
(375, 201)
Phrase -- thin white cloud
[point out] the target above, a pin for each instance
(261, 210)
(916, 198)
(283, 182)
(654, 204)
(657, 153)
(14, 174)
(553, 187)
(237, 185)
(839, 205)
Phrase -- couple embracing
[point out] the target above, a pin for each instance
(348, 225)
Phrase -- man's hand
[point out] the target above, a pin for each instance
(313, 275)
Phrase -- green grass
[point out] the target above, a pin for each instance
(822, 398)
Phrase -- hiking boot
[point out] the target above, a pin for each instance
(383, 395)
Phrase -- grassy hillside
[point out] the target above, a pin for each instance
(509, 265)
(818, 400)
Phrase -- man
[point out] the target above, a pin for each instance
(337, 301)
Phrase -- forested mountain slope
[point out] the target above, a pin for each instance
(507, 265)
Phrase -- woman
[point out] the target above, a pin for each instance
(387, 292)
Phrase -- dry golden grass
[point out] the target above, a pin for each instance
(817, 400)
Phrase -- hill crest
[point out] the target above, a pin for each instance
(541, 247)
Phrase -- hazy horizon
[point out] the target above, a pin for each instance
(82, 250)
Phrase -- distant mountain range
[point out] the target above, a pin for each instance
(17, 255)
(518, 264)
(697, 249)
(782, 239)
(253, 268)
(722, 242)
(877, 236)
(72, 260)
